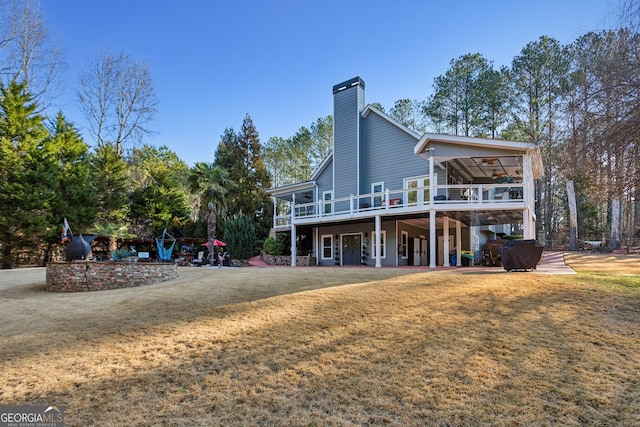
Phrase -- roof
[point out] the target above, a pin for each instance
(441, 146)
(369, 109)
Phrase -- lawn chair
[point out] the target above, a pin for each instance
(197, 262)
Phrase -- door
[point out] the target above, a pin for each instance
(417, 251)
(351, 249)
(424, 255)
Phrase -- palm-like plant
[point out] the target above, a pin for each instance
(113, 232)
(211, 184)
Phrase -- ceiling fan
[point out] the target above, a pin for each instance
(488, 161)
(496, 175)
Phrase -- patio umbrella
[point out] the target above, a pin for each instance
(216, 242)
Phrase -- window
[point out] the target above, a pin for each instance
(377, 187)
(420, 195)
(327, 246)
(404, 241)
(383, 239)
(327, 196)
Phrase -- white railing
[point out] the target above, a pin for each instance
(466, 196)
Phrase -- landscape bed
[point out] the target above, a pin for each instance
(332, 346)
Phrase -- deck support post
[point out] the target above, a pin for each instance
(432, 238)
(445, 241)
(378, 240)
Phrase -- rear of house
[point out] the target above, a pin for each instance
(387, 196)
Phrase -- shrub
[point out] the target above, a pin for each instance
(277, 246)
(240, 236)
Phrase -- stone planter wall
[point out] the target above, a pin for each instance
(84, 276)
(301, 261)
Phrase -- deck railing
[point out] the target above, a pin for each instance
(404, 201)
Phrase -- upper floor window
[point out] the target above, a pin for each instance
(327, 196)
(377, 199)
(419, 190)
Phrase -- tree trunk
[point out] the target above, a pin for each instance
(614, 241)
(573, 217)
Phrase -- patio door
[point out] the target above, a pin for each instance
(351, 249)
(419, 196)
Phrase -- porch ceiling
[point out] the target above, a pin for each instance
(469, 218)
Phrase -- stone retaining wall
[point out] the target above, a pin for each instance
(302, 261)
(84, 276)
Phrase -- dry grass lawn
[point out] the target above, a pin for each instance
(331, 347)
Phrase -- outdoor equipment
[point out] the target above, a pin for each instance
(164, 252)
(521, 255)
(79, 248)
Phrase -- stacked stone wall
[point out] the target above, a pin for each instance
(86, 276)
(301, 261)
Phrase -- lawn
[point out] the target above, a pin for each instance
(332, 347)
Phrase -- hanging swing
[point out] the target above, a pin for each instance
(164, 253)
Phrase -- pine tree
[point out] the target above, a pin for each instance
(27, 172)
(241, 155)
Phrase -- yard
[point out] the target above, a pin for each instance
(332, 346)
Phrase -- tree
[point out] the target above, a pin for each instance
(27, 175)
(409, 113)
(241, 155)
(240, 236)
(110, 183)
(161, 195)
(28, 53)
(457, 100)
(540, 76)
(321, 140)
(117, 97)
(294, 159)
(211, 184)
(495, 96)
(75, 195)
(605, 125)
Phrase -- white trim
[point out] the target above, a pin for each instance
(324, 205)
(331, 247)
(373, 191)
(404, 242)
(383, 244)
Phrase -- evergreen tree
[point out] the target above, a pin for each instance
(75, 195)
(240, 236)
(160, 199)
(241, 156)
(111, 185)
(27, 173)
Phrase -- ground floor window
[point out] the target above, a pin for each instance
(383, 239)
(327, 246)
(404, 241)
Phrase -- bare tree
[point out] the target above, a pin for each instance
(118, 99)
(28, 53)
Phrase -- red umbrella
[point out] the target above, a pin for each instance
(216, 242)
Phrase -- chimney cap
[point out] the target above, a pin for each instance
(356, 81)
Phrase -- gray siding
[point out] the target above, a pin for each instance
(347, 107)
(387, 155)
(324, 181)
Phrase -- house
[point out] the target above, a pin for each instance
(387, 196)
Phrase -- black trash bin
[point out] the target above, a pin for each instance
(520, 255)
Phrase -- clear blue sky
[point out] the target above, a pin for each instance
(212, 62)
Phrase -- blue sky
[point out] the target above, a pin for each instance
(213, 62)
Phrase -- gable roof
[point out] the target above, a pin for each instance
(369, 109)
